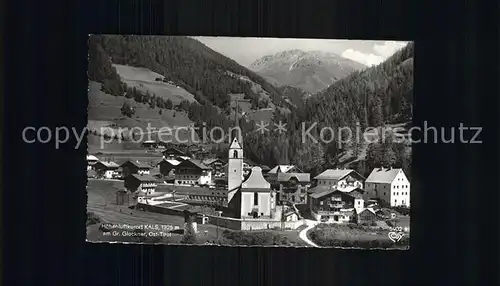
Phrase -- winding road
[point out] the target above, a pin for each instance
(303, 234)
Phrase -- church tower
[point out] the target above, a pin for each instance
(235, 165)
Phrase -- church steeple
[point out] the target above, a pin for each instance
(235, 165)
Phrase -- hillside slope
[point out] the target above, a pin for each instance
(104, 110)
(376, 96)
(146, 81)
(311, 71)
(206, 74)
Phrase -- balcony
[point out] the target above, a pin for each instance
(336, 204)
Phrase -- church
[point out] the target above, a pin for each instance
(250, 197)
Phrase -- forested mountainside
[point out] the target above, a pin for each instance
(373, 97)
(190, 64)
(296, 96)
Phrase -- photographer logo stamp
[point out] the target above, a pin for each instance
(396, 234)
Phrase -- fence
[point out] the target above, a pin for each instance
(253, 224)
(162, 210)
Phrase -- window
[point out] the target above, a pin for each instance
(255, 199)
(384, 193)
(235, 154)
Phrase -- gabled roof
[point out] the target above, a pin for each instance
(319, 189)
(173, 149)
(109, 164)
(301, 177)
(256, 180)
(183, 158)
(92, 158)
(322, 194)
(368, 210)
(334, 174)
(210, 161)
(383, 175)
(144, 178)
(282, 168)
(196, 163)
(235, 144)
(140, 165)
(172, 162)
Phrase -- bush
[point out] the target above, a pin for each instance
(92, 219)
(373, 223)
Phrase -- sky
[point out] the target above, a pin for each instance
(246, 50)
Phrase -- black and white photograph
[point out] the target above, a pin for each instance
(249, 141)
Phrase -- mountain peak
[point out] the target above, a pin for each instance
(311, 71)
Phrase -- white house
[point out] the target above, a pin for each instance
(344, 180)
(256, 196)
(91, 160)
(193, 172)
(390, 185)
(106, 169)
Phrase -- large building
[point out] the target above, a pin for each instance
(343, 179)
(332, 205)
(172, 153)
(257, 200)
(106, 169)
(167, 166)
(252, 198)
(292, 188)
(217, 166)
(145, 184)
(390, 185)
(193, 172)
(134, 167)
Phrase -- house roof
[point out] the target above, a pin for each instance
(319, 189)
(282, 168)
(172, 162)
(210, 161)
(301, 177)
(92, 158)
(334, 174)
(184, 158)
(140, 165)
(170, 149)
(322, 194)
(109, 164)
(256, 180)
(199, 164)
(369, 210)
(235, 144)
(383, 175)
(144, 178)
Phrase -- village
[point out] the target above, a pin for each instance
(189, 188)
